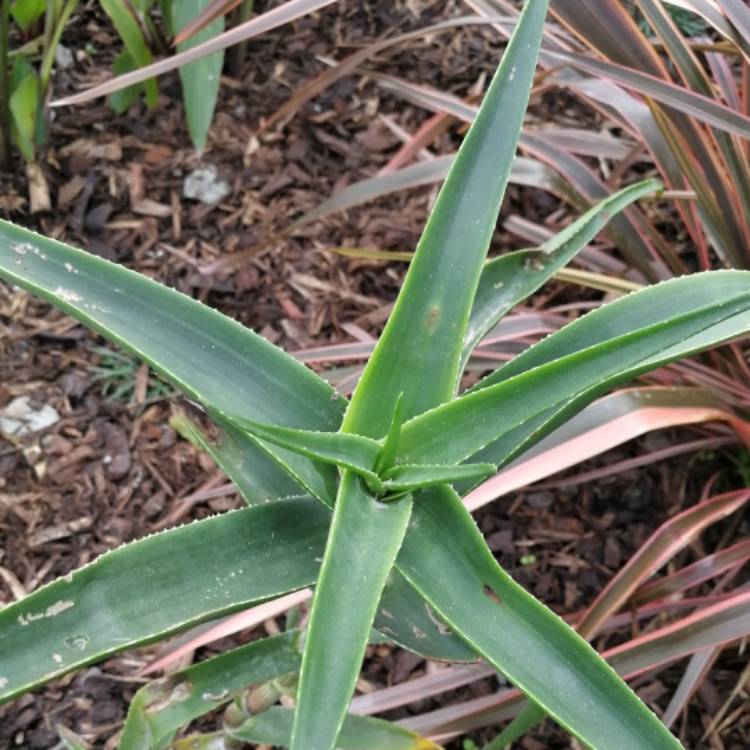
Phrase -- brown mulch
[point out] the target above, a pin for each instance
(111, 471)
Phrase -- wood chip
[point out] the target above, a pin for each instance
(59, 531)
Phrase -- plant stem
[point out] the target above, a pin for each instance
(52, 37)
(238, 53)
(4, 109)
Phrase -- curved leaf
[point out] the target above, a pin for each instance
(163, 706)
(167, 329)
(584, 359)
(518, 635)
(509, 279)
(194, 573)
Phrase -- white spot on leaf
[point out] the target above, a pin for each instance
(67, 294)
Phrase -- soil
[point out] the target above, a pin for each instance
(113, 470)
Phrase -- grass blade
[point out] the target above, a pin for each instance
(285, 13)
(688, 102)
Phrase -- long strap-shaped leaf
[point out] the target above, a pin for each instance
(166, 328)
(696, 105)
(420, 349)
(481, 417)
(363, 542)
(338, 448)
(415, 363)
(148, 589)
(256, 475)
(516, 634)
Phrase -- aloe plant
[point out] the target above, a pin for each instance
(362, 499)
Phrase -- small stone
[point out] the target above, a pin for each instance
(203, 184)
(20, 418)
(63, 57)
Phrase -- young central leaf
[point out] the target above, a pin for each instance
(414, 367)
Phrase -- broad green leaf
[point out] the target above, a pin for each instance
(27, 12)
(416, 361)
(24, 105)
(406, 618)
(719, 305)
(363, 542)
(708, 627)
(447, 560)
(162, 707)
(130, 32)
(511, 278)
(274, 727)
(207, 355)
(200, 78)
(195, 573)
(419, 351)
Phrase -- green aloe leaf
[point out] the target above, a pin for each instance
(274, 727)
(128, 309)
(358, 558)
(207, 355)
(27, 12)
(24, 105)
(416, 363)
(122, 100)
(195, 573)
(200, 78)
(163, 706)
(509, 279)
(518, 635)
(719, 309)
(419, 352)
